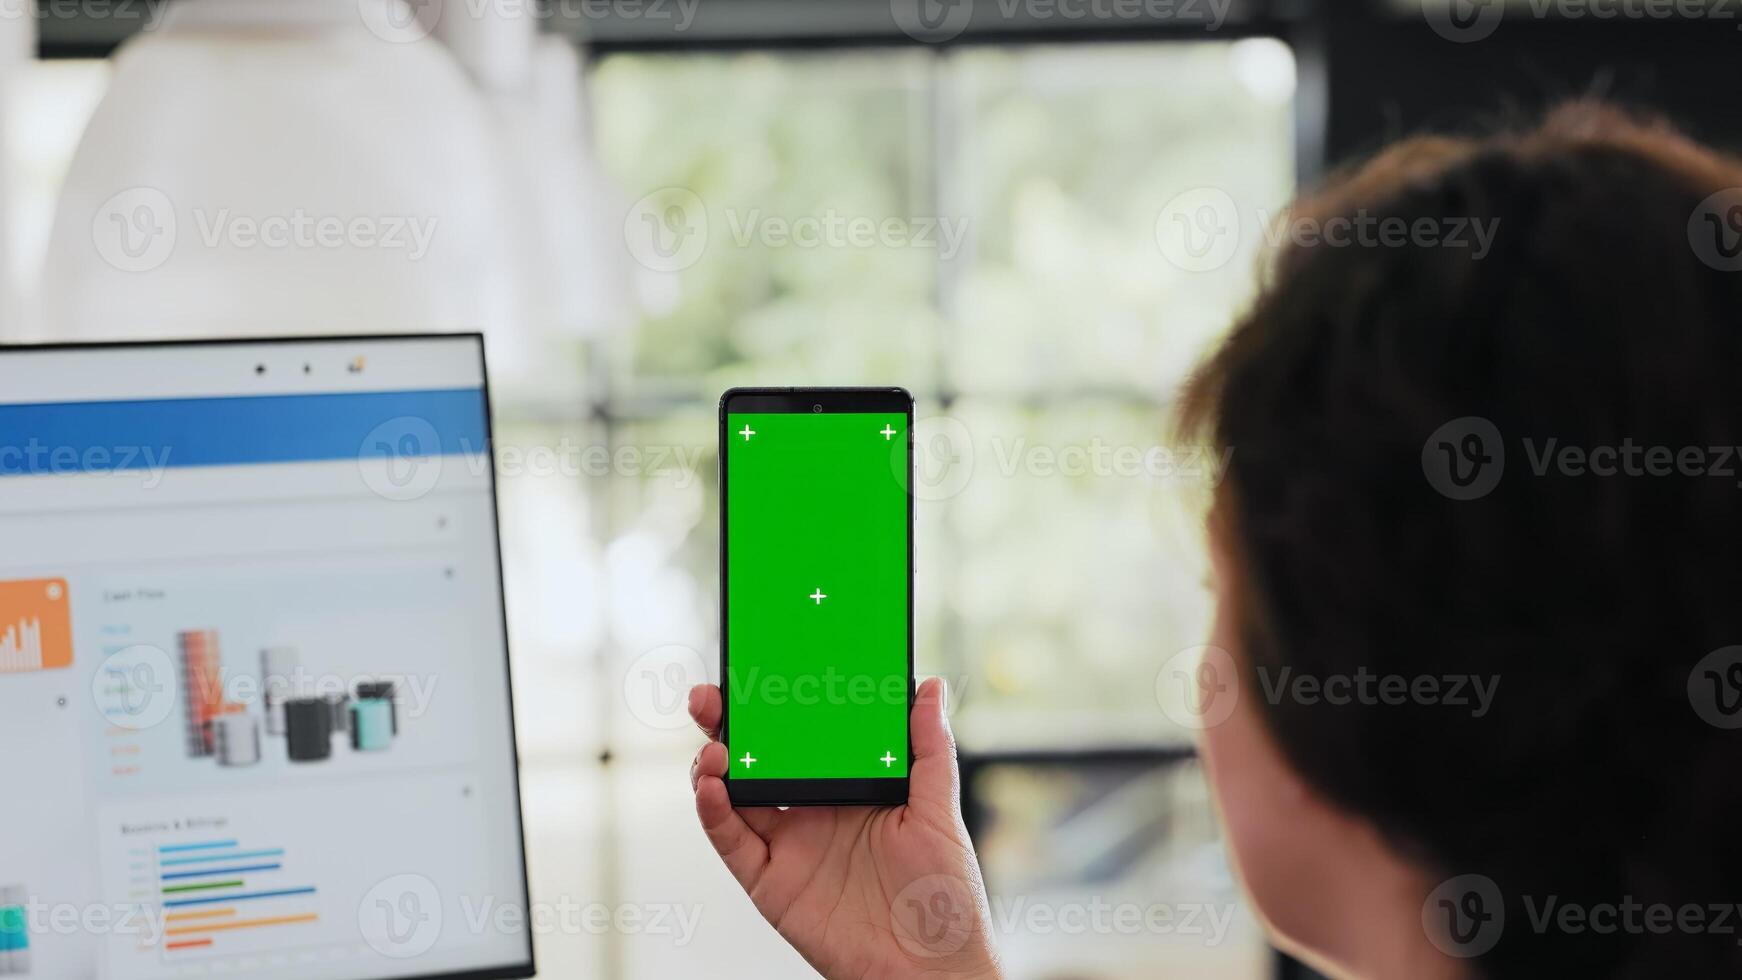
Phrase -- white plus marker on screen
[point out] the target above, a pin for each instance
(747, 432)
(818, 596)
(888, 432)
(888, 759)
(748, 758)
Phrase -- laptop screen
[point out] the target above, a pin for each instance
(254, 693)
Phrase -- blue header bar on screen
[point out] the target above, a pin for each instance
(72, 437)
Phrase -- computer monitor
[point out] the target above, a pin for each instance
(255, 716)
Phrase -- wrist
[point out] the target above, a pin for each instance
(984, 969)
(943, 927)
(988, 970)
(974, 963)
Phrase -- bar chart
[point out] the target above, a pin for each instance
(223, 895)
(35, 625)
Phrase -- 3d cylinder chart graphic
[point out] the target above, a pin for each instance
(381, 691)
(202, 687)
(236, 739)
(308, 727)
(277, 665)
(371, 725)
(235, 734)
(14, 931)
(340, 705)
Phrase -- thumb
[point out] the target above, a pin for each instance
(934, 781)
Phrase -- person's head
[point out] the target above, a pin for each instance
(1479, 539)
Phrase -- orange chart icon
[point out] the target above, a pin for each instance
(36, 628)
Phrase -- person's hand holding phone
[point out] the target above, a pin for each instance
(872, 893)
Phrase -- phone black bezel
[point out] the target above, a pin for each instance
(813, 792)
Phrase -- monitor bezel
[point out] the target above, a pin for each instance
(509, 971)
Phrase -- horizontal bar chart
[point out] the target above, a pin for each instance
(221, 871)
(207, 846)
(279, 920)
(233, 856)
(182, 902)
(203, 887)
(188, 944)
(192, 916)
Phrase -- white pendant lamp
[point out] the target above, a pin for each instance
(286, 166)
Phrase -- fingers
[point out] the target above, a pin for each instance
(706, 708)
(743, 850)
(711, 761)
(738, 836)
(934, 780)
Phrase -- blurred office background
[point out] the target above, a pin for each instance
(644, 202)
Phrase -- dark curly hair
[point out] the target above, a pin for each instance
(1362, 538)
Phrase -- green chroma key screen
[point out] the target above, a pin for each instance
(817, 595)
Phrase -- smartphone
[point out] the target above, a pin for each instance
(816, 594)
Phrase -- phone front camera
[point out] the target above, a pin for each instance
(816, 408)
